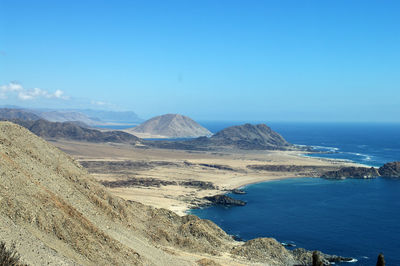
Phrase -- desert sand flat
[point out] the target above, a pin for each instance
(164, 178)
(145, 135)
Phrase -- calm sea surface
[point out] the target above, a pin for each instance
(355, 218)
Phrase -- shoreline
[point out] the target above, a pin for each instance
(179, 180)
(241, 187)
(303, 154)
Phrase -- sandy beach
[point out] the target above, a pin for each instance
(164, 178)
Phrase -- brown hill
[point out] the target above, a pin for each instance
(250, 137)
(243, 137)
(170, 126)
(57, 214)
(73, 131)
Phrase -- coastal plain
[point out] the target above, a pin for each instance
(179, 180)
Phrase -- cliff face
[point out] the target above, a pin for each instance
(171, 126)
(390, 170)
(56, 213)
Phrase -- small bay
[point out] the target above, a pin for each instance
(354, 217)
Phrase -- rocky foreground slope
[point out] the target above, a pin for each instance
(170, 126)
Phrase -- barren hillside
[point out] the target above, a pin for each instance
(74, 131)
(170, 126)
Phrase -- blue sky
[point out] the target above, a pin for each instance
(212, 60)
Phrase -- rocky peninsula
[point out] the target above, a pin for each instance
(390, 170)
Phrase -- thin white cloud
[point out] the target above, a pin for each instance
(11, 87)
(100, 103)
(14, 88)
(19, 95)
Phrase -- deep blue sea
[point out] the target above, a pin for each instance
(354, 218)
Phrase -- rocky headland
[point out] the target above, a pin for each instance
(242, 137)
(390, 170)
(352, 172)
(225, 200)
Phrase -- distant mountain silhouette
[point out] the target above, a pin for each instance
(72, 131)
(111, 116)
(170, 126)
(88, 116)
(67, 116)
(13, 113)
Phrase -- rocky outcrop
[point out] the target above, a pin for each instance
(72, 131)
(225, 200)
(154, 182)
(390, 170)
(352, 172)
(262, 249)
(238, 191)
(381, 260)
(306, 257)
(170, 126)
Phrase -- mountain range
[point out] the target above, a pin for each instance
(74, 131)
(88, 116)
(242, 137)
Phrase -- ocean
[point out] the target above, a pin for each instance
(353, 218)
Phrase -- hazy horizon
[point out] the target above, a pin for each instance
(314, 61)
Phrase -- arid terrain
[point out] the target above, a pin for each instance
(178, 180)
(57, 213)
